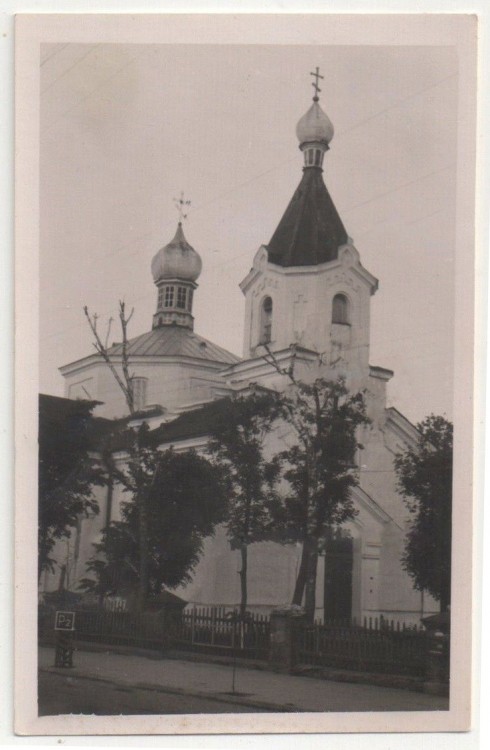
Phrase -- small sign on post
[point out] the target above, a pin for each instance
(64, 623)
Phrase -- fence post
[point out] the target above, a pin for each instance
(438, 638)
(285, 631)
(437, 674)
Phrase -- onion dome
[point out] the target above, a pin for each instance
(315, 126)
(177, 260)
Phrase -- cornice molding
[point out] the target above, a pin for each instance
(93, 360)
(347, 261)
(372, 507)
(402, 426)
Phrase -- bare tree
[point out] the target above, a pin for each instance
(125, 383)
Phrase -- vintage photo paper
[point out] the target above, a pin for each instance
(245, 258)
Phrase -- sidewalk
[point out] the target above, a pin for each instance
(253, 687)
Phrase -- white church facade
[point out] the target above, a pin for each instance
(307, 296)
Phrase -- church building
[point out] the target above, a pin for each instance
(308, 297)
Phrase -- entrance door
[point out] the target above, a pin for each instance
(338, 576)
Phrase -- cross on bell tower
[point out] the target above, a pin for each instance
(314, 130)
(316, 75)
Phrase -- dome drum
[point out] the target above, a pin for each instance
(174, 303)
(173, 318)
(314, 153)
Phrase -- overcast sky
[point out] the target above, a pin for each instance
(126, 128)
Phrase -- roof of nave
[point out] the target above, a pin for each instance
(310, 231)
(191, 424)
(174, 341)
(203, 420)
(195, 423)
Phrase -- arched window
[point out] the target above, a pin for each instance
(266, 321)
(340, 309)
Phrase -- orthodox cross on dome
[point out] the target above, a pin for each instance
(315, 85)
(182, 206)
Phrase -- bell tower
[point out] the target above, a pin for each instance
(308, 286)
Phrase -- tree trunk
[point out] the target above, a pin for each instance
(61, 584)
(312, 510)
(42, 555)
(299, 587)
(310, 587)
(444, 601)
(243, 580)
(143, 550)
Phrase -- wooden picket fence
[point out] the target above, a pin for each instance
(143, 630)
(218, 630)
(377, 646)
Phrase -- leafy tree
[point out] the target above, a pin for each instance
(321, 473)
(321, 465)
(237, 446)
(425, 481)
(184, 500)
(67, 473)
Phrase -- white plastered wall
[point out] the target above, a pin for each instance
(302, 308)
(172, 383)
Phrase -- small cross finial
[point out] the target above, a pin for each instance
(316, 75)
(182, 206)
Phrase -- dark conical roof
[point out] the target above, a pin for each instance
(311, 231)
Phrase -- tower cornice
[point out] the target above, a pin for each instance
(348, 258)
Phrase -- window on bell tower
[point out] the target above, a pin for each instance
(340, 309)
(266, 321)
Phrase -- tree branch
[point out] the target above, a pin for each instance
(101, 349)
(125, 358)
